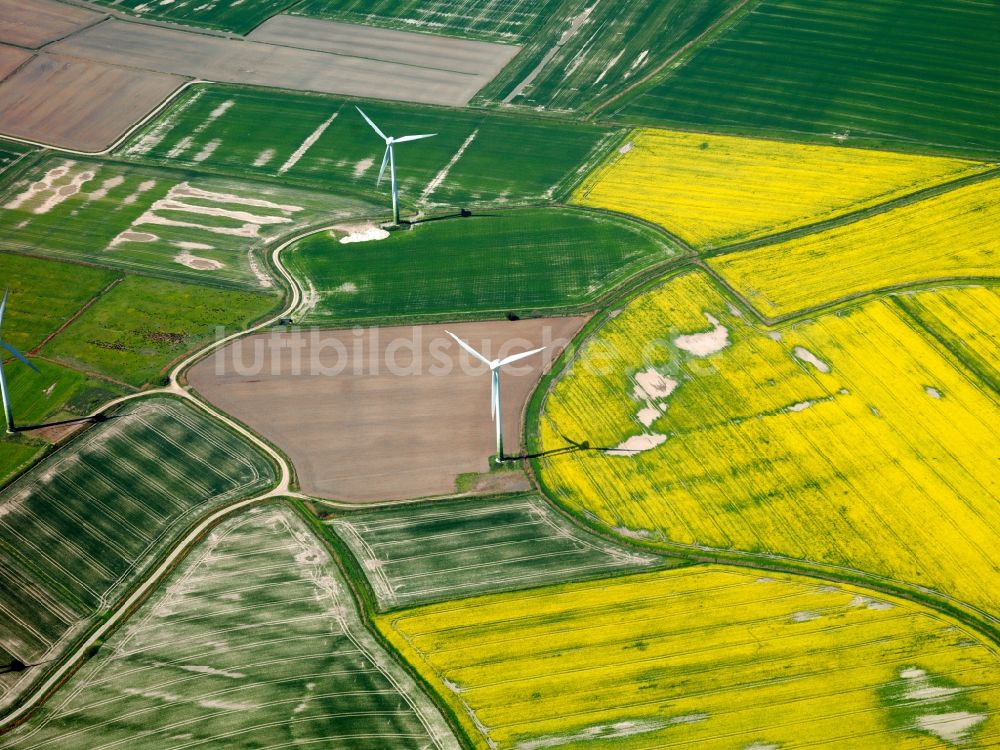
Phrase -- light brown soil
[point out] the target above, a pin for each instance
(11, 58)
(406, 68)
(33, 23)
(76, 104)
(379, 436)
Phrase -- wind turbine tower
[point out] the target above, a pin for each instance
(390, 158)
(495, 366)
(3, 378)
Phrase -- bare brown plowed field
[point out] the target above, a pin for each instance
(78, 104)
(407, 69)
(10, 59)
(33, 23)
(480, 59)
(404, 415)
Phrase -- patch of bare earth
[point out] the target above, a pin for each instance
(33, 23)
(381, 414)
(11, 58)
(78, 104)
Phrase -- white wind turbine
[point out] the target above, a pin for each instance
(390, 157)
(495, 366)
(3, 378)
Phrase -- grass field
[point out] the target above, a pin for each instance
(171, 223)
(965, 321)
(322, 143)
(587, 52)
(54, 391)
(952, 235)
(849, 440)
(43, 294)
(240, 17)
(915, 73)
(518, 261)
(712, 190)
(415, 554)
(10, 152)
(78, 528)
(254, 641)
(511, 21)
(143, 324)
(705, 657)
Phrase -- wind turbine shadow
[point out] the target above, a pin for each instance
(463, 214)
(572, 446)
(93, 419)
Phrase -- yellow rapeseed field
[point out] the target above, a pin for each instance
(956, 234)
(851, 440)
(713, 190)
(966, 320)
(705, 657)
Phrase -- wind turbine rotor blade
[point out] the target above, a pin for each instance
(406, 138)
(3, 305)
(18, 354)
(494, 393)
(470, 350)
(516, 357)
(381, 172)
(374, 126)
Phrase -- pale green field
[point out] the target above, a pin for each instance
(414, 554)
(254, 642)
(82, 525)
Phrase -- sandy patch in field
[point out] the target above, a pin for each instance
(78, 104)
(601, 732)
(185, 245)
(805, 355)
(199, 264)
(442, 175)
(932, 392)
(106, 187)
(264, 157)
(626, 148)
(648, 415)
(638, 444)
(348, 287)
(800, 406)
(704, 344)
(33, 23)
(307, 144)
(58, 184)
(360, 233)
(363, 166)
(951, 727)
(132, 237)
(651, 385)
(357, 431)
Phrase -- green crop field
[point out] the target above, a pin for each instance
(43, 294)
(511, 261)
(224, 15)
(142, 325)
(322, 143)
(511, 21)
(10, 152)
(914, 73)
(79, 527)
(172, 223)
(415, 554)
(255, 641)
(590, 51)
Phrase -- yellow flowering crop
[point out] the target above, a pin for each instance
(705, 657)
(966, 320)
(956, 234)
(711, 190)
(852, 440)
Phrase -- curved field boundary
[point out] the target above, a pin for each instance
(983, 622)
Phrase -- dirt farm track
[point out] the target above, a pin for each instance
(366, 434)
